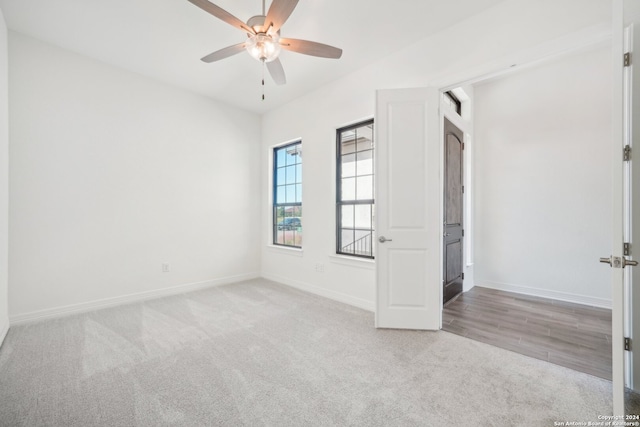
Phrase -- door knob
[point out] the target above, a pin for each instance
(383, 239)
(618, 262)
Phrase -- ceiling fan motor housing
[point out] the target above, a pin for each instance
(262, 46)
(257, 22)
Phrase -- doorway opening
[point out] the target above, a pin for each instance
(533, 284)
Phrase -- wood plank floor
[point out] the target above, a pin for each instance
(572, 335)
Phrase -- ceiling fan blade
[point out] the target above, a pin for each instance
(311, 48)
(279, 12)
(276, 71)
(224, 53)
(222, 14)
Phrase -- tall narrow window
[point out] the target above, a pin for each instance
(355, 208)
(287, 195)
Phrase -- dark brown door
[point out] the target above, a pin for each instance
(453, 212)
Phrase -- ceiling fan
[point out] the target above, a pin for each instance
(263, 37)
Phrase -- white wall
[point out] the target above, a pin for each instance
(4, 180)
(543, 214)
(493, 37)
(113, 174)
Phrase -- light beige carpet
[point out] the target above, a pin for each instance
(260, 353)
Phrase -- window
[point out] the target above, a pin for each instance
(287, 195)
(355, 208)
(453, 102)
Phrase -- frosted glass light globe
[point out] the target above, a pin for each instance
(263, 47)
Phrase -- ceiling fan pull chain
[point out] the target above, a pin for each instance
(263, 8)
(263, 64)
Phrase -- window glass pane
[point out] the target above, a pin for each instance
(291, 174)
(298, 193)
(365, 138)
(365, 162)
(347, 216)
(299, 173)
(280, 176)
(297, 238)
(292, 154)
(279, 213)
(291, 193)
(362, 242)
(349, 165)
(280, 194)
(280, 157)
(349, 189)
(365, 188)
(346, 242)
(373, 216)
(363, 216)
(348, 142)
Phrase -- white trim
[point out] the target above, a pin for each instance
(333, 295)
(293, 251)
(4, 331)
(547, 293)
(125, 299)
(352, 261)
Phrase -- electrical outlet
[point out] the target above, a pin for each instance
(165, 267)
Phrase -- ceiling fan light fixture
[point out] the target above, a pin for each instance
(263, 47)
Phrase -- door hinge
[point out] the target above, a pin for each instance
(462, 276)
(463, 145)
(627, 59)
(627, 249)
(463, 232)
(626, 156)
(463, 189)
(627, 344)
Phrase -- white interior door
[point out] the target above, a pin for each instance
(408, 205)
(632, 234)
(617, 270)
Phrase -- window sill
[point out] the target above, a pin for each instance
(285, 250)
(368, 264)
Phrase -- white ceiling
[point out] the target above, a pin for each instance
(165, 39)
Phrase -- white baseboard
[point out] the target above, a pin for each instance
(546, 293)
(125, 299)
(4, 329)
(336, 296)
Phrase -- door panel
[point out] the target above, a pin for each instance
(632, 189)
(453, 211)
(407, 185)
(406, 165)
(402, 263)
(634, 33)
(617, 274)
